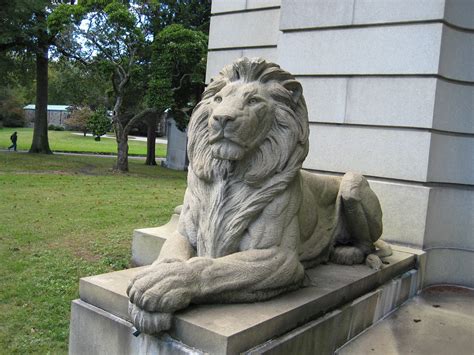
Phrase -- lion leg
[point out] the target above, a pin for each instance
(362, 216)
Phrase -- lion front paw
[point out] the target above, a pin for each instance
(164, 288)
(147, 322)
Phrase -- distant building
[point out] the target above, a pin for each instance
(57, 114)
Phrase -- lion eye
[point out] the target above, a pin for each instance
(218, 99)
(253, 101)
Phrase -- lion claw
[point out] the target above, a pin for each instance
(149, 322)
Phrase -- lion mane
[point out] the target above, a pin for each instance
(265, 171)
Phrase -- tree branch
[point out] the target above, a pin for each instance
(181, 81)
(138, 117)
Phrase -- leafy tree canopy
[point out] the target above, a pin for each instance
(178, 67)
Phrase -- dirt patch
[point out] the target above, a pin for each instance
(76, 247)
(449, 289)
(88, 169)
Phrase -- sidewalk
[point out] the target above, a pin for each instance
(87, 154)
(438, 321)
(163, 140)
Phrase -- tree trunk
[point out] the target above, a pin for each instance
(40, 142)
(122, 153)
(151, 123)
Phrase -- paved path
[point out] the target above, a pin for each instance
(86, 154)
(131, 138)
(438, 321)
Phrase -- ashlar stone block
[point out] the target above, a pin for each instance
(256, 28)
(413, 49)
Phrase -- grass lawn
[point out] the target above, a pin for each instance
(66, 141)
(62, 218)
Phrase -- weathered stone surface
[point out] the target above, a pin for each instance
(251, 219)
(233, 328)
(459, 12)
(217, 59)
(457, 54)
(324, 13)
(393, 153)
(449, 221)
(325, 334)
(220, 6)
(454, 107)
(394, 49)
(147, 242)
(259, 28)
(176, 148)
(449, 266)
(391, 101)
(403, 154)
(97, 332)
(451, 159)
(439, 321)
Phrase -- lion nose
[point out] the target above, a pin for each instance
(223, 119)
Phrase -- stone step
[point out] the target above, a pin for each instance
(355, 296)
(147, 242)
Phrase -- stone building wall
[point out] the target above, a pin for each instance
(390, 91)
(55, 117)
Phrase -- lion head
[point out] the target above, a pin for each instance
(252, 120)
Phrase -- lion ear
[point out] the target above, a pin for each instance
(295, 88)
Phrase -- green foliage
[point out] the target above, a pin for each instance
(79, 118)
(99, 123)
(53, 127)
(71, 83)
(11, 108)
(192, 14)
(178, 70)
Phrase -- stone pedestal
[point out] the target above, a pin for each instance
(336, 305)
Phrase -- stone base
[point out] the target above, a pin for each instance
(340, 302)
(147, 242)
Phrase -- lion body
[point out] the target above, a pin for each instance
(252, 219)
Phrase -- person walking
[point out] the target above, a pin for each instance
(13, 138)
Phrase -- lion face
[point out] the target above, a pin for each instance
(241, 117)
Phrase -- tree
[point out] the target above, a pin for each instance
(99, 123)
(79, 118)
(115, 33)
(179, 67)
(163, 94)
(192, 14)
(11, 108)
(73, 83)
(24, 27)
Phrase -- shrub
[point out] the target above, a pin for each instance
(99, 123)
(14, 117)
(79, 118)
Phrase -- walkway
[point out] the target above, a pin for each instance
(438, 321)
(130, 138)
(98, 155)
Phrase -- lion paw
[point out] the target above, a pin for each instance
(164, 288)
(147, 322)
(374, 262)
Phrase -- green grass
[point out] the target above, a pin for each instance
(66, 141)
(62, 218)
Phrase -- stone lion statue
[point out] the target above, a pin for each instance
(252, 220)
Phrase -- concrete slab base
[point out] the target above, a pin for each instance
(147, 242)
(339, 302)
(438, 321)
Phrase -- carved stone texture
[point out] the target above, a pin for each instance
(252, 220)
